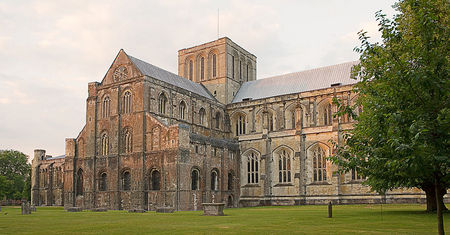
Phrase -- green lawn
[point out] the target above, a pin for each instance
(367, 219)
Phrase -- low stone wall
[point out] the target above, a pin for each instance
(213, 209)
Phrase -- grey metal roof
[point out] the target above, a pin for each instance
(171, 78)
(296, 82)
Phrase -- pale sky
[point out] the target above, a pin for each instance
(50, 49)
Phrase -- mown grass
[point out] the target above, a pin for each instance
(347, 219)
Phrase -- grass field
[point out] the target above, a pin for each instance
(347, 219)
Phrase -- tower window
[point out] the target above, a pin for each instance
(191, 72)
(126, 102)
(105, 107)
(202, 69)
(214, 65)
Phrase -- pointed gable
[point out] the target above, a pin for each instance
(121, 69)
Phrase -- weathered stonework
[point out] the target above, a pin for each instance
(155, 140)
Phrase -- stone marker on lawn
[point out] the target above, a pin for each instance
(213, 209)
(26, 208)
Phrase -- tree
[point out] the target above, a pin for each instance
(402, 136)
(14, 175)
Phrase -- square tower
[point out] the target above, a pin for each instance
(221, 66)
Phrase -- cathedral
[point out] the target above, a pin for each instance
(212, 133)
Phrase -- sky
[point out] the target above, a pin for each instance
(50, 50)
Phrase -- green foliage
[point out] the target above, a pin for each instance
(402, 137)
(306, 219)
(15, 178)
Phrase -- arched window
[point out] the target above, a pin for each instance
(201, 116)
(217, 120)
(252, 168)
(155, 179)
(128, 143)
(103, 182)
(327, 116)
(126, 102)
(319, 165)
(284, 167)
(214, 180)
(195, 179)
(106, 107)
(214, 65)
(230, 181)
(79, 182)
(126, 181)
(182, 110)
(105, 144)
(293, 119)
(162, 103)
(191, 70)
(271, 122)
(202, 68)
(240, 125)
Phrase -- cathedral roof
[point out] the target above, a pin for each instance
(297, 82)
(170, 78)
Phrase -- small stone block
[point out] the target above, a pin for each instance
(74, 209)
(99, 210)
(165, 210)
(213, 209)
(136, 211)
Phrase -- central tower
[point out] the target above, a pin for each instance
(221, 66)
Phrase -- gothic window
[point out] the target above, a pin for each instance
(284, 167)
(103, 182)
(217, 120)
(230, 181)
(202, 68)
(106, 107)
(79, 189)
(214, 65)
(240, 125)
(252, 168)
(214, 180)
(293, 120)
(195, 179)
(126, 181)
(201, 116)
(105, 143)
(126, 102)
(191, 70)
(271, 122)
(232, 66)
(240, 70)
(355, 175)
(247, 72)
(319, 165)
(155, 180)
(128, 143)
(182, 110)
(327, 116)
(162, 103)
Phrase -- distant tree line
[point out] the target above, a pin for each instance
(15, 175)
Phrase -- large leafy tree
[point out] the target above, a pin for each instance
(402, 136)
(14, 175)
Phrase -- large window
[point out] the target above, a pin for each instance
(319, 165)
(103, 182)
(327, 115)
(195, 179)
(126, 181)
(105, 144)
(128, 143)
(126, 102)
(162, 103)
(191, 69)
(79, 182)
(240, 124)
(201, 116)
(217, 119)
(230, 181)
(214, 180)
(182, 110)
(214, 65)
(252, 168)
(155, 180)
(202, 69)
(284, 167)
(106, 107)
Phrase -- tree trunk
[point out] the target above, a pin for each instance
(439, 202)
(430, 193)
